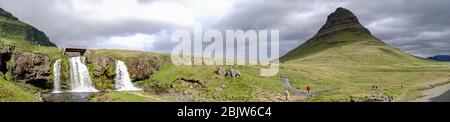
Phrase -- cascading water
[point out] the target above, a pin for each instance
(123, 81)
(79, 76)
(57, 76)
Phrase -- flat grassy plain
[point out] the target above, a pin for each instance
(336, 80)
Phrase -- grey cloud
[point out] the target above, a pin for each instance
(297, 21)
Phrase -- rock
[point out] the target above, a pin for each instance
(33, 68)
(103, 65)
(380, 98)
(340, 17)
(373, 98)
(232, 73)
(140, 67)
(5, 56)
(192, 83)
(139, 70)
(221, 71)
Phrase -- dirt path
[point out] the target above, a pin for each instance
(293, 91)
(146, 96)
(434, 82)
(436, 94)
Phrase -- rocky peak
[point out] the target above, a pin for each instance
(342, 20)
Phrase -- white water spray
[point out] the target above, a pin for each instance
(123, 81)
(57, 76)
(79, 76)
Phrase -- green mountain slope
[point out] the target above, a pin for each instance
(344, 39)
(10, 26)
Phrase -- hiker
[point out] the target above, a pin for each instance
(286, 93)
(309, 89)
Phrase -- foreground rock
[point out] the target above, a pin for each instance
(373, 98)
(30, 67)
(232, 73)
(33, 68)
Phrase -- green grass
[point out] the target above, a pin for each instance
(335, 76)
(351, 70)
(19, 91)
(10, 92)
(127, 97)
(124, 53)
(23, 45)
(249, 87)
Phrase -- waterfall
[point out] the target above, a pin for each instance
(122, 80)
(57, 76)
(79, 76)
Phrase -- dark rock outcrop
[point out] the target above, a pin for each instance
(342, 20)
(5, 56)
(30, 67)
(33, 68)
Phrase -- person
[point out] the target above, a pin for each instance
(309, 89)
(286, 93)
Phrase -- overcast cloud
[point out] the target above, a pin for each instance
(419, 27)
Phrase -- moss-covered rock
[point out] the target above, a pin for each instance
(33, 68)
(102, 66)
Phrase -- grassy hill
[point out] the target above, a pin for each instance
(12, 26)
(15, 92)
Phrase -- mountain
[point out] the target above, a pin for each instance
(11, 26)
(344, 39)
(440, 58)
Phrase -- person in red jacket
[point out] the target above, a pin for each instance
(309, 88)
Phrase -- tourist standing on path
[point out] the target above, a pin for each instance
(309, 88)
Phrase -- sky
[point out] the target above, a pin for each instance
(419, 27)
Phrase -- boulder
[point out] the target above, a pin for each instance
(33, 68)
(232, 73)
